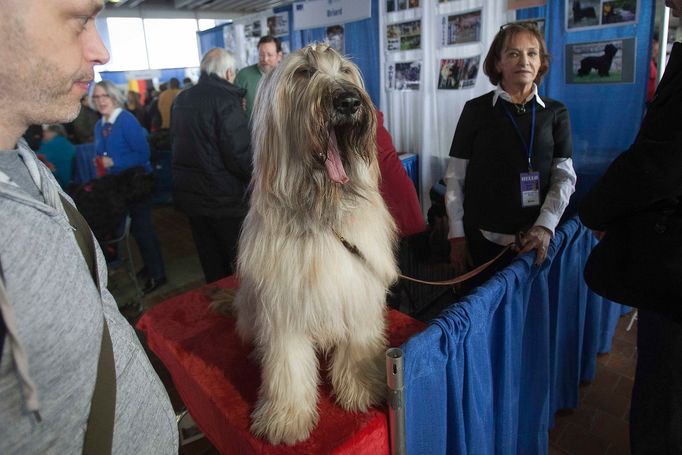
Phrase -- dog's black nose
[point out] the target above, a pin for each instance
(347, 103)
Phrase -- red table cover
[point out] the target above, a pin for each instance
(218, 380)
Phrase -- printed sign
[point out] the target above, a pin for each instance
(319, 13)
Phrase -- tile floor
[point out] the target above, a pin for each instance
(599, 426)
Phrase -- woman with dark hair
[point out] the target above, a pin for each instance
(510, 170)
(121, 144)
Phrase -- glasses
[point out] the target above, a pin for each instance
(522, 24)
(97, 97)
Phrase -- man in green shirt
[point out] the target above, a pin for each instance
(269, 56)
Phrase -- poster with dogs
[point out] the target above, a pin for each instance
(458, 73)
(582, 14)
(404, 75)
(278, 25)
(399, 5)
(460, 28)
(404, 36)
(601, 62)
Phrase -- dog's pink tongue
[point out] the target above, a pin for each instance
(334, 166)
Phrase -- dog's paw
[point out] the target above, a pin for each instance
(221, 300)
(357, 396)
(283, 425)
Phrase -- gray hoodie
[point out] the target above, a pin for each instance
(54, 325)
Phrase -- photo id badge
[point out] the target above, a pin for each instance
(530, 189)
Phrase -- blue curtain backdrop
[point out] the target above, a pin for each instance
(213, 37)
(605, 117)
(488, 374)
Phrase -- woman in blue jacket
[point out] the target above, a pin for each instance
(121, 143)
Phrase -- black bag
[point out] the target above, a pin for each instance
(639, 262)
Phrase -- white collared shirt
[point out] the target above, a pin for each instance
(112, 118)
(562, 185)
(500, 93)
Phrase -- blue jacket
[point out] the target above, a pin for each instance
(126, 144)
(60, 152)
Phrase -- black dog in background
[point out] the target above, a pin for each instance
(579, 13)
(103, 202)
(601, 63)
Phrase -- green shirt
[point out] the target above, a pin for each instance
(248, 79)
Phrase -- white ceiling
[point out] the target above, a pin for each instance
(232, 6)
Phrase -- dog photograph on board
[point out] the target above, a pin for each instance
(316, 254)
(582, 13)
(600, 62)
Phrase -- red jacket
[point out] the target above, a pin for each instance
(396, 187)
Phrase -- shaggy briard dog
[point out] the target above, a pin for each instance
(316, 252)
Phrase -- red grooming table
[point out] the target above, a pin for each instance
(218, 380)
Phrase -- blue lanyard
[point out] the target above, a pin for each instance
(529, 148)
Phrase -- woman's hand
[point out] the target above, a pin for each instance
(107, 162)
(537, 238)
(598, 234)
(460, 260)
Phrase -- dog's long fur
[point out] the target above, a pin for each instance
(302, 293)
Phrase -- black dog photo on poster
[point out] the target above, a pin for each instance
(601, 62)
(458, 73)
(582, 13)
(619, 11)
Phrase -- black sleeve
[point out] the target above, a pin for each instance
(234, 141)
(648, 173)
(463, 140)
(561, 130)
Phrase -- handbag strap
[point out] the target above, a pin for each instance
(100, 429)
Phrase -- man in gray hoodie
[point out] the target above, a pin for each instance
(58, 320)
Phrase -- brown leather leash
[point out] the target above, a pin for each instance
(465, 276)
(355, 251)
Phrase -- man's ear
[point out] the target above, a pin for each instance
(230, 75)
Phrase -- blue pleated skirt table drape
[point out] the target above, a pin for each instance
(487, 376)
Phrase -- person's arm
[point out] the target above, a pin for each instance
(234, 141)
(454, 195)
(649, 172)
(562, 179)
(454, 206)
(455, 175)
(136, 138)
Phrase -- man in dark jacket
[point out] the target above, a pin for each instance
(642, 181)
(212, 162)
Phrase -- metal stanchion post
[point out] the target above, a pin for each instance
(396, 401)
